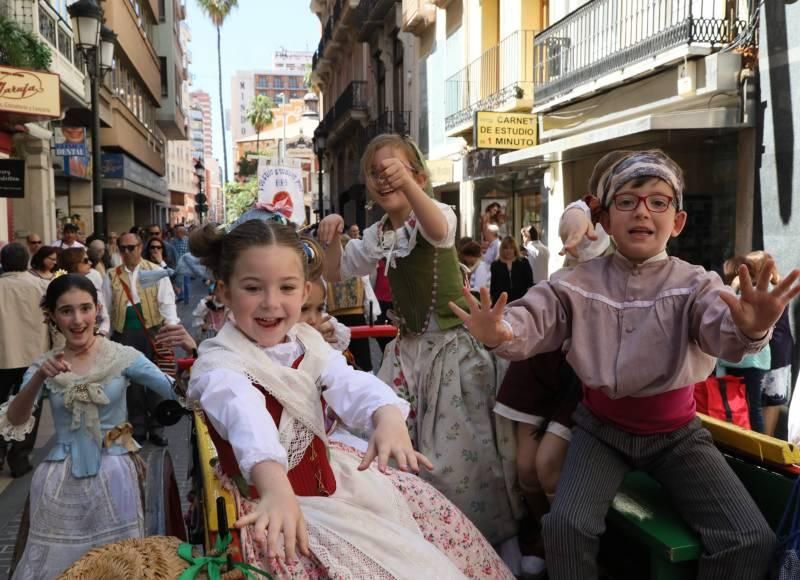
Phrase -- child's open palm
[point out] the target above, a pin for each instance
(757, 308)
(391, 440)
(484, 321)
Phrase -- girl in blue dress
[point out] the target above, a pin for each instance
(87, 492)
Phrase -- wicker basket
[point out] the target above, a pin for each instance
(151, 558)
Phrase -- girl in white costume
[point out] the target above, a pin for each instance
(314, 509)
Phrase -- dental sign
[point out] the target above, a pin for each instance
(29, 93)
(504, 130)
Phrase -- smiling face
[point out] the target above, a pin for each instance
(392, 201)
(266, 292)
(75, 315)
(314, 307)
(641, 233)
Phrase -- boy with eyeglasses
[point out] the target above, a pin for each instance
(644, 327)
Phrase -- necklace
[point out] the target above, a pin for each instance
(84, 350)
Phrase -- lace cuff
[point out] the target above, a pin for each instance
(11, 432)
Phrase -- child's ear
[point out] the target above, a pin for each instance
(306, 291)
(224, 293)
(680, 223)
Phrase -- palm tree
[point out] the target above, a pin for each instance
(260, 115)
(218, 11)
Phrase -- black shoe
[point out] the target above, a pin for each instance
(21, 470)
(159, 440)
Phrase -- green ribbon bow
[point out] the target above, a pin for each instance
(213, 565)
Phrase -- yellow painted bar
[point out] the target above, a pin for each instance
(750, 442)
(212, 488)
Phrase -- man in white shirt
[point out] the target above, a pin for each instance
(139, 304)
(538, 254)
(69, 238)
(493, 237)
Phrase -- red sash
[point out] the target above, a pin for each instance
(313, 476)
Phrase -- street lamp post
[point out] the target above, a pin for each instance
(319, 149)
(96, 43)
(200, 206)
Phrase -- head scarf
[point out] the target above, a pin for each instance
(640, 164)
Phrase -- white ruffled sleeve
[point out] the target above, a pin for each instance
(360, 257)
(342, 334)
(355, 395)
(452, 221)
(8, 430)
(238, 412)
(11, 432)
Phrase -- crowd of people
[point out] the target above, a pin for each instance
(491, 437)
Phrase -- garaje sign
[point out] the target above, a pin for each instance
(29, 93)
(504, 130)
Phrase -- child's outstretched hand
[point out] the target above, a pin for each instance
(391, 439)
(574, 227)
(278, 512)
(484, 321)
(54, 366)
(757, 308)
(330, 228)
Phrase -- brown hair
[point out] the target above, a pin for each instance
(218, 251)
(394, 141)
(509, 242)
(37, 261)
(759, 259)
(69, 259)
(471, 249)
(606, 162)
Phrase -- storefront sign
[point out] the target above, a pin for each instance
(29, 93)
(12, 178)
(504, 130)
(120, 166)
(71, 142)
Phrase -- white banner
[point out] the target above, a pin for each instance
(280, 190)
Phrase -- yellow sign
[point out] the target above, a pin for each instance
(30, 93)
(504, 130)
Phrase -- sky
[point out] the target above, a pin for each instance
(251, 34)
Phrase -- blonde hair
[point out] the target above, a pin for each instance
(404, 144)
(509, 242)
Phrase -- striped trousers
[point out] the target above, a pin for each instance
(737, 542)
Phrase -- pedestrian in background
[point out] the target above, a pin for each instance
(511, 273)
(22, 334)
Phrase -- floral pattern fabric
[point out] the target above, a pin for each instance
(449, 381)
(439, 522)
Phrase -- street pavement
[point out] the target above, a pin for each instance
(13, 492)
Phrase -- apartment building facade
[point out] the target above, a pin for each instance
(284, 81)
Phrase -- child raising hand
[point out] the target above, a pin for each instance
(449, 379)
(308, 507)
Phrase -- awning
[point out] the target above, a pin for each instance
(552, 151)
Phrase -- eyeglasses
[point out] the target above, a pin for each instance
(86, 261)
(128, 248)
(35, 242)
(656, 202)
(154, 233)
(156, 247)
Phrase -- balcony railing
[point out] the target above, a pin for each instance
(328, 30)
(500, 75)
(353, 98)
(604, 36)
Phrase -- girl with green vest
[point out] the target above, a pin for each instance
(448, 378)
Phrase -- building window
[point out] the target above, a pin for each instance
(162, 60)
(292, 82)
(277, 83)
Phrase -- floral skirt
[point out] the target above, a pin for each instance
(451, 381)
(438, 520)
(70, 516)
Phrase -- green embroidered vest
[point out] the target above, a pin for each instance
(412, 283)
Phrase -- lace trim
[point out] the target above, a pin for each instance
(11, 432)
(111, 362)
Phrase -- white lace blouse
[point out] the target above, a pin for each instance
(238, 412)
